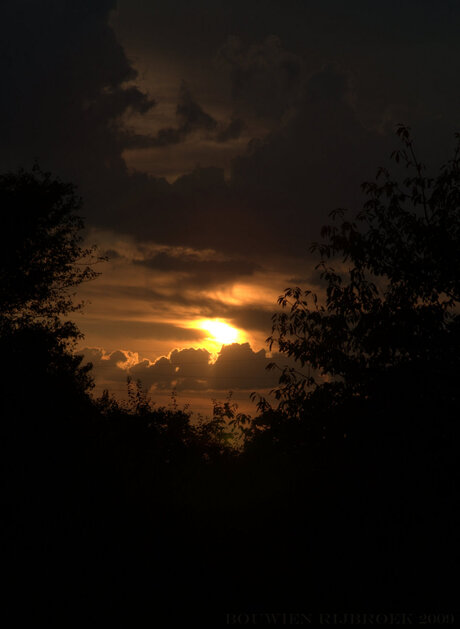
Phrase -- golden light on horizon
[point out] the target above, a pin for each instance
(219, 331)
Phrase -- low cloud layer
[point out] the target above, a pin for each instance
(237, 367)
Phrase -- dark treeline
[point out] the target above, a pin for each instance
(340, 497)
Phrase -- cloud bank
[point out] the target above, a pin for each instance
(237, 367)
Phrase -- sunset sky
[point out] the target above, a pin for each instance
(209, 140)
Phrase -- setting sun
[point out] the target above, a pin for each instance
(219, 331)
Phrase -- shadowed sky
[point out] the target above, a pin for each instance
(209, 140)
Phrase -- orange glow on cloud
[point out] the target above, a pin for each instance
(264, 290)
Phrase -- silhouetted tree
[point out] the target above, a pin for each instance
(45, 408)
(41, 256)
(368, 444)
(42, 262)
(387, 325)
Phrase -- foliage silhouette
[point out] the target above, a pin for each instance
(42, 262)
(388, 319)
(41, 256)
(367, 447)
(46, 411)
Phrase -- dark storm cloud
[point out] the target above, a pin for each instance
(191, 114)
(250, 318)
(64, 75)
(191, 118)
(199, 273)
(314, 163)
(281, 189)
(265, 77)
(232, 131)
(68, 84)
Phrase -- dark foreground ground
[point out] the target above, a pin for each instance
(107, 523)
